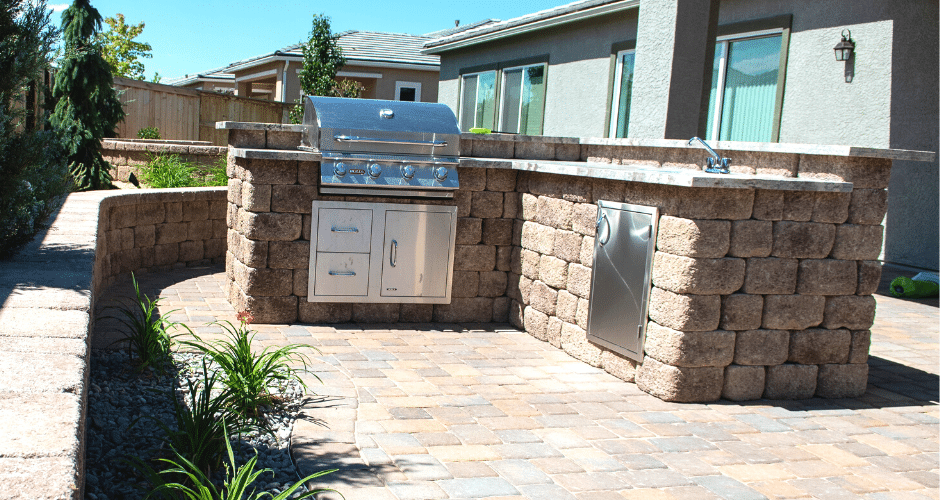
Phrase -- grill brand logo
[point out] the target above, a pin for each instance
(357, 171)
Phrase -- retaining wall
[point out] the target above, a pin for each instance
(126, 156)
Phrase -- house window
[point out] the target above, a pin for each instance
(478, 100)
(522, 99)
(623, 89)
(408, 91)
(743, 103)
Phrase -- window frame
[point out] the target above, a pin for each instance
(613, 80)
(495, 92)
(408, 85)
(498, 69)
(503, 89)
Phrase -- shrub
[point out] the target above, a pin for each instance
(148, 132)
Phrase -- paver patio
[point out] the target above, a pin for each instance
(486, 411)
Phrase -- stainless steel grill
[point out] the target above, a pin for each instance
(383, 148)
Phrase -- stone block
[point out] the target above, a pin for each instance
(579, 280)
(475, 258)
(587, 251)
(497, 231)
(857, 242)
(607, 190)
(542, 297)
(701, 276)
(534, 150)
(486, 204)
(554, 212)
(708, 203)
(251, 139)
(501, 307)
(306, 221)
(301, 281)
(693, 237)
(219, 229)
(584, 306)
(165, 255)
(741, 312)
(308, 173)
(566, 307)
(770, 276)
(762, 347)
(144, 236)
(584, 219)
(263, 282)
(465, 310)
(868, 206)
(869, 277)
(170, 232)
(174, 211)
(462, 199)
(492, 284)
(793, 312)
(272, 309)
(256, 197)
(768, 205)
(252, 253)
(689, 313)
(618, 366)
(790, 381)
(525, 289)
(678, 384)
(750, 238)
(517, 315)
(855, 312)
(516, 259)
(567, 152)
(466, 284)
(842, 380)
(375, 313)
(270, 226)
(469, 230)
(689, 349)
(827, 277)
(289, 254)
(512, 205)
(817, 346)
(869, 173)
(831, 207)
(231, 216)
(565, 187)
(270, 172)
(294, 199)
(538, 238)
(803, 240)
(530, 206)
(199, 230)
(123, 216)
(191, 251)
(536, 323)
(858, 350)
(125, 238)
(504, 256)
(196, 210)
(500, 179)
(472, 179)
(567, 245)
(325, 312)
(416, 313)
(574, 341)
(278, 139)
(743, 383)
(553, 331)
(530, 263)
(553, 271)
(150, 213)
(798, 205)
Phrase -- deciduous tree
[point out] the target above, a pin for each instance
(323, 58)
(121, 51)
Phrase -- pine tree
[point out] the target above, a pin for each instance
(88, 108)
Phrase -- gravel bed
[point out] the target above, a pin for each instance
(117, 428)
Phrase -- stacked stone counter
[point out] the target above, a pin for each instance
(762, 280)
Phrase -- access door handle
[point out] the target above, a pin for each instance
(603, 219)
(344, 229)
(342, 273)
(393, 253)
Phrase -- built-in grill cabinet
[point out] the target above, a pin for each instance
(620, 286)
(381, 252)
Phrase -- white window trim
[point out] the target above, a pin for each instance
(615, 102)
(476, 95)
(504, 88)
(408, 85)
(723, 44)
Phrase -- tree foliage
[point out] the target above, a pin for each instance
(87, 108)
(323, 58)
(120, 50)
(32, 168)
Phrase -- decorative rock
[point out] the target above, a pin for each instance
(582, 314)
(574, 341)
(857, 242)
(553, 331)
(803, 240)
(530, 207)
(587, 251)
(270, 172)
(741, 312)
(693, 237)
(269, 226)
(827, 277)
(868, 206)
(618, 366)
(566, 307)
(855, 312)
(792, 312)
(264, 282)
(861, 342)
(684, 385)
(817, 346)
(543, 298)
(842, 381)
(536, 323)
(761, 347)
(789, 381)
(530, 264)
(702, 276)
(584, 219)
(568, 245)
(689, 349)
(751, 238)
(579, 280)
(743, 383)
(256, 197)
(538, 238)
(553, 271)
(831, 207)
(869, 277)
(770, 276)
(686, 313)
(554, 212)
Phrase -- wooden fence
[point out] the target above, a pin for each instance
(189, 115)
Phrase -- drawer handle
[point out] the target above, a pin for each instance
(344, 229)
(393, 254)
(603, 219)
(342, 273)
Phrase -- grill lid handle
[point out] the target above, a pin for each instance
(350, 138)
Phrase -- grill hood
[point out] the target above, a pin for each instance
(335, 124)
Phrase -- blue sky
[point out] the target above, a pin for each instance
(194, 36)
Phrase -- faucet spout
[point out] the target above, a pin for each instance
(716, 164)
(706, 146)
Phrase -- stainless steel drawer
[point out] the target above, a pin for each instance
(344, 230)
(345, 274)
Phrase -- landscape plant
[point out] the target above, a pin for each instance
(120, 50)
(148, 334)
(323, 58)
(148, 133)
(171, 171)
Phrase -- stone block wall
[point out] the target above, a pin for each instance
(126, 156)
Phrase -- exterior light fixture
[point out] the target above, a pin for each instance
(845, 47)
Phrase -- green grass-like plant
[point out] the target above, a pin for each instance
(148, 133)
(148, 336)
(247, 375)
(171, 171)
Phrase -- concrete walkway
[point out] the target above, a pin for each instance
(486, 411)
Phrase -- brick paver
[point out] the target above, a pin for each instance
(486, 411)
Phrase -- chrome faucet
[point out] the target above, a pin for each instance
(715, 164)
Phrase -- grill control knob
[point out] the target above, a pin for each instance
(408, 172)
(375, 170)
(440, 173)
(340, 170)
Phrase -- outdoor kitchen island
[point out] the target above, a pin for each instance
(761, 279)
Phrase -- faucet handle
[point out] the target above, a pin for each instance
(719, 167)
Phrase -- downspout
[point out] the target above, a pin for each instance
(284, 82)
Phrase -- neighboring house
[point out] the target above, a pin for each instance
(389, 66)
(578, 70)
(215, 80)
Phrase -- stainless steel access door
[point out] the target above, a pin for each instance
(416, 255)
(620, 287)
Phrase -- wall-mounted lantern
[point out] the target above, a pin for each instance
(845, 47)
